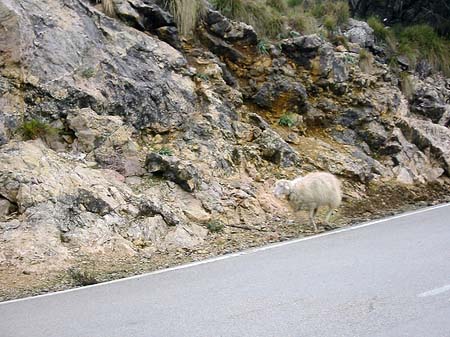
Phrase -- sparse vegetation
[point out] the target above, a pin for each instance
(365, 60)
(422, 42)
(165, 151)
(263, 47)
(379, 30)
(294, 3)
(35, 128)
(286, 120)
(202, 76)
(406, 84)
(270, 18)
(215, 226)
(186, 14)
(88, 72)
(82, 277)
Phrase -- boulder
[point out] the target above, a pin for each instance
(428, 102)
(427, 135)
(280, 94)
(274, 149)
(302, 49)
(181, 172)
(359, 32)
(229, 30)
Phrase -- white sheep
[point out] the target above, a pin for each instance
(310, 192)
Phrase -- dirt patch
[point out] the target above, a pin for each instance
(381, 200)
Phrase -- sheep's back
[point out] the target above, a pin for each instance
(315, 190)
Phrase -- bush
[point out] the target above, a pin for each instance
(82, 277)
(294, 3)
(35, 128)
(330, 23)
(215, 226)
(165, 151)
(303, 22)
(88, 72)
(379, 30)
(286, 120)
(279, 5)
(422, 41)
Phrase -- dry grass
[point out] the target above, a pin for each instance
(108, 7)
(186, 14)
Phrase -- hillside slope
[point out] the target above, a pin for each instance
(153, 153)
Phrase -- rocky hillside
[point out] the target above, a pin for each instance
(126, 147)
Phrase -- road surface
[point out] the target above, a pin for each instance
(385, 278)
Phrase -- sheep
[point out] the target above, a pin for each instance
(310, 192)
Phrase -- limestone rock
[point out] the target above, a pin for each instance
(230, 31)
(359, 32)
(426, 135)
(302, 49)
(274, 149)
(72, 61)
(183, 173)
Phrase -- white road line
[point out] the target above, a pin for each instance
(434, 292)
(232, 255)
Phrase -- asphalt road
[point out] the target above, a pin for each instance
(389, 278)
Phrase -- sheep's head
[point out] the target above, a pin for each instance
(282, 188)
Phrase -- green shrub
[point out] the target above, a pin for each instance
(379, 30)
(165, 151)
(263, 47)
(266, 20)
(202, 76)
(82, 277)
(279, 5)
(215, 226)
(35, 128)
(422, 41)
(303, 22)
(294, 3)
(230, 8)
(330, 23)
(88, 72)
(286, 120)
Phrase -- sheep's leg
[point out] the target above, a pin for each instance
(312, 213)
(327, 217)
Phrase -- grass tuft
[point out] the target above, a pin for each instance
(34, 129)
(215, 226)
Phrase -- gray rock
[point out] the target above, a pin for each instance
(428, 102)
(181, 172)
(359, 32)
(93, 63)
(230, 31)
(374, 134)
(293, 94)
(302, 49)
(6, 208)
(221, 48)
(426, 135)
(274, 149)
(258, 121)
